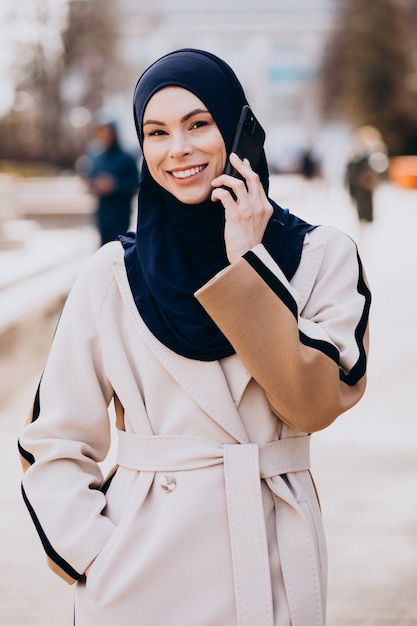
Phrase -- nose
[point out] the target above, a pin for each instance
(179, 145)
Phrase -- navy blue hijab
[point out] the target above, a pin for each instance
(177, 248)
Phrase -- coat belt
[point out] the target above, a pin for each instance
(177, 453)
(244, 466)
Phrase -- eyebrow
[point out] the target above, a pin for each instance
(185, 117)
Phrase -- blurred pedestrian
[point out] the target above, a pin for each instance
(226, 330)
(364, 171)
(112, 176)
(309, 166)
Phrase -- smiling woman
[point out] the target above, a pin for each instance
(225, 330)
(182, 144)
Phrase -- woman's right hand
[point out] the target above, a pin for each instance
(248, 215)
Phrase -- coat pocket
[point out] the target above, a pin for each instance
(112, 550)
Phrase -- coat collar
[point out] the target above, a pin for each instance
(228, 380)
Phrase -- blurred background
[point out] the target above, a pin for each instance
(313, 70)
(334, 83)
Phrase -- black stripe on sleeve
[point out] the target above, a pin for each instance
(66, 567)
(324, 346)
(359, 369)
(272, 281)
(35, 414)
(36, 405)
(25, 454)
(279, 289)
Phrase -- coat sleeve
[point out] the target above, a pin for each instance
(311, 364)
(68, 434)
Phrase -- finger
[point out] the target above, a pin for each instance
(243, 166)
(232, 185)
(225, 195)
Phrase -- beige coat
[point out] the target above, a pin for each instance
(194, 530)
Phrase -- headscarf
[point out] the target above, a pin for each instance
(177, 248)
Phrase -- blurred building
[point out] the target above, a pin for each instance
(275, 47)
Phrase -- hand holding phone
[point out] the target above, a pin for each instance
(242, 233)
(248, 142)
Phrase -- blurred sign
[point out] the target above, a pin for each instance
(291, 74)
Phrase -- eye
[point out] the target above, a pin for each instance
(156, 133)
(199, 124)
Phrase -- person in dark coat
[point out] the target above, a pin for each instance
(112, 176)
(364, 170)
(362, 180)
(309, 165)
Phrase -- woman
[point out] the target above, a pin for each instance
(225, 331)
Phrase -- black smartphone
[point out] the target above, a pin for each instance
(248, 142)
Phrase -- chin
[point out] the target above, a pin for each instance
(192, 198)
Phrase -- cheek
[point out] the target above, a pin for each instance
(147, 153)
(222, 152)
(152, 159)
(222, 157)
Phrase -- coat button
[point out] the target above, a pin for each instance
(168, 483)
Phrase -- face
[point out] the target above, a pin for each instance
(104, 135)
(182, 145)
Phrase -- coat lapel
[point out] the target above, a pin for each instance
(237, 376)
(197, 378)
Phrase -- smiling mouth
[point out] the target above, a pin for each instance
(187, 173)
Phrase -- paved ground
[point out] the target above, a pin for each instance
(365, 464)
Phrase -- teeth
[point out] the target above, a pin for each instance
(187, 173)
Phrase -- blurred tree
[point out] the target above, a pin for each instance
(70, 65)
(370, 69)
(90, 51)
